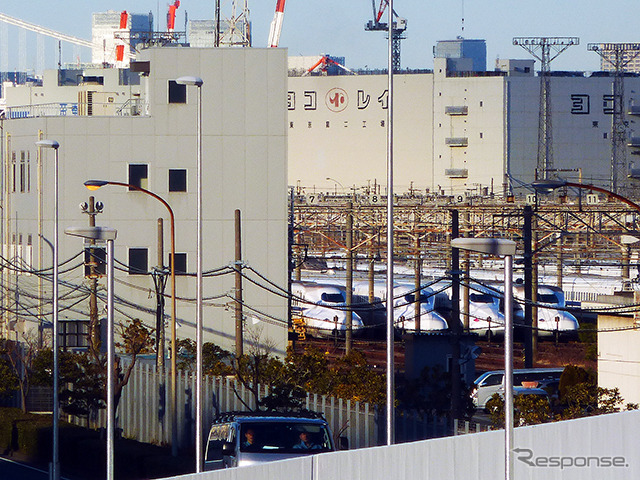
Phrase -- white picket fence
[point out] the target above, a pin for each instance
(143, 411)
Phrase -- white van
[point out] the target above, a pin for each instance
(238, 439)
(493, 382)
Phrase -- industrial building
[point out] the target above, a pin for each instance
(458, 133)
(139, 127)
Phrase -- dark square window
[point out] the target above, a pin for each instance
(177, 93)
(138, 262)
(181, 263)
(178, 180)
(138, 175)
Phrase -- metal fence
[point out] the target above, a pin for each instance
(143, 409)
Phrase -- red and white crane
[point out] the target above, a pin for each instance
(323, 63)
(276, 25)
(171, 16)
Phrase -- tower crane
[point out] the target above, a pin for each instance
(276, 24)
(399, 27)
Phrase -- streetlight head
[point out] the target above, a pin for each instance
(196, 81)
(92, 233)
(95, 184)
(48, 144)
(492, 246)
(547, 186)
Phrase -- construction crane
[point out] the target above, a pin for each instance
(399, 27)
(276, 25)
(324, 62)
(45, 31)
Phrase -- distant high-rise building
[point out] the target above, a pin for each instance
(460, 51)
(201, 33)
(108, 37)
(607, 61)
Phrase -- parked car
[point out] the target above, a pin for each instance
(492, 382)
(238, 439)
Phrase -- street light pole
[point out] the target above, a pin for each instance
(507, 249)
(108, 234)
(390, 407)
(94, 185)
(197, 82)
(55, 460)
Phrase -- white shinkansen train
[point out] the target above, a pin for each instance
(404, 311)
(322, 308)
(553, 319)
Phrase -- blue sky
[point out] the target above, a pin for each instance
(337, 26)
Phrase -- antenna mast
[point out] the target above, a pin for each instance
(545, 49)
(618, 55)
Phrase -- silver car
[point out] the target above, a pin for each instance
(246, 438)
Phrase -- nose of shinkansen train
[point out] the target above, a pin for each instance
(558, 320)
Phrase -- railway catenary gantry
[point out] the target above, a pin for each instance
(584, 233)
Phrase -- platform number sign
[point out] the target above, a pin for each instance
(313, 198)
(375, 199)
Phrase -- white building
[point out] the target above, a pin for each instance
(456, 133)
(152, 142)
(619, 356)
(107, 35)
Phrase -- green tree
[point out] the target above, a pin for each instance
(8, 377)
(527, 410)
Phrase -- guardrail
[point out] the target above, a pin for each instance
(132, 107)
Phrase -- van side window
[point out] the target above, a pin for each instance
(217, 437)
(495, 379)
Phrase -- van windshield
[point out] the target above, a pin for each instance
(284, 437)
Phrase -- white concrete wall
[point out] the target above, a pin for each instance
(474, 456)
(619, 356)
(244, 167)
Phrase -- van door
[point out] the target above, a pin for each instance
(490, 385)
(213, 459)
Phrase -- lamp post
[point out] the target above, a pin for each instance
(109, 235)
(197, 82)
(335, 186)
(96, 184)
(390, 403)
(55, 463)
(507, 249)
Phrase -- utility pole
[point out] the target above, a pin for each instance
(417, 283)
(238, 289)
(349, 280)
(528, 287)
(455, 319)
(92, 274)
(160, 281)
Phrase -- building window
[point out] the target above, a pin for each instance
(138, 175)
(181, 263)
(14, 172)
(177, 180)
(138, 261)
(177, 93)
(73, 334)
(23, 171)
